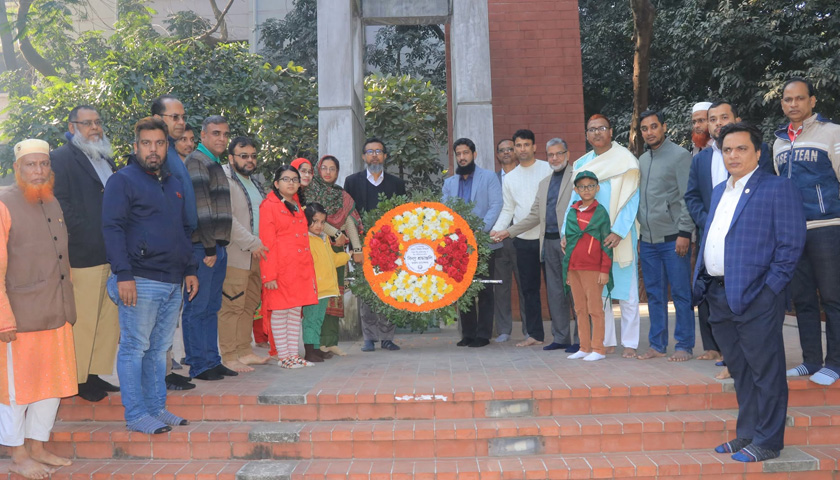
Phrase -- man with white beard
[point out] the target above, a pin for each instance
(82, 167)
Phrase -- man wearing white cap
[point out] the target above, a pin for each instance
(700, 137)
(37, 312)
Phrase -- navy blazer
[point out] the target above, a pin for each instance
(485, 195)
(764, 242)
(698, 194)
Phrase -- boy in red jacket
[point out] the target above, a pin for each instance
(588, 265)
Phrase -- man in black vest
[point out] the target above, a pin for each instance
(365, 187)
(82, 167)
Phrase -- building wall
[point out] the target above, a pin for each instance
(536, 71)
(102, 14)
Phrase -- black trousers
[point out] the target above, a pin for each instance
(709, 342)
(754, 350)
(530, 268)
(477, 322)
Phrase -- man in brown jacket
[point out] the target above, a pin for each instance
(37, 311)
(242, 287)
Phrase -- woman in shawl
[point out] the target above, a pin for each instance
(343, 223)
(304, 167)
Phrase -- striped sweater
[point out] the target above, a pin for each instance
(212, 201)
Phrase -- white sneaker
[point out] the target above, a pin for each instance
(594, 357)
(504, 337)
(578, 354)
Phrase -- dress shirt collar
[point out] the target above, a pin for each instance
(740, 183)
(375, 182)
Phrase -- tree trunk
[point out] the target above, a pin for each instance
(32, 57)
(644, 14)
(220, 18)
(6, 39)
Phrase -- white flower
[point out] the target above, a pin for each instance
(398, 261)
(454, 237)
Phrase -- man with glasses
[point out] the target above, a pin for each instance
(365, 188)
(618, 172)
(555, 190)
(519, 191)
(213, 212)
(171, 111)
(506, 269)
(242, 286)
(665, 226)
(82, 167)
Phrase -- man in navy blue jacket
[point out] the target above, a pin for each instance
(752, 241)
(147, 242)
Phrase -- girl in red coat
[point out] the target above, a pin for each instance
(288, 274)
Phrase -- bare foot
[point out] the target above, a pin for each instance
(709, 355)
(252, 359)
(724, 374)
(609, 350)
(651, 353)
(629, 353)
(38, 453)
(25, 466)
(238, 366)
(529, 342)
(334, 349)
(680, 356)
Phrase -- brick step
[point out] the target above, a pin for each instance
(122, 469)
(431, 438)
(796, 463)
(337, 406)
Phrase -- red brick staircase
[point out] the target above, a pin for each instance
(644, 431)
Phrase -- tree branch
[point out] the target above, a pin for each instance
(220, 18)
(32, 57)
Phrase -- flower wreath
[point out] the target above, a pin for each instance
(420, 259)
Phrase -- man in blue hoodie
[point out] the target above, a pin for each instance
(147, 243)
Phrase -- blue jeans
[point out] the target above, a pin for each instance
(661, 267)
(818, 270)
(146, 332)
(200, 320)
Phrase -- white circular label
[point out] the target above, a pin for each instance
(419, 257)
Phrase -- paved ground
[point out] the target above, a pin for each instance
(432, 364)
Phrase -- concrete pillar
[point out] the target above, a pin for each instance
(340, 83)
(472, 98)
(341, 112)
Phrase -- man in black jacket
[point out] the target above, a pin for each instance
(82, 168)
(365, 187)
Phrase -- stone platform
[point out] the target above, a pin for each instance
(436, 411)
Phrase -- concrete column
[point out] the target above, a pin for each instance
(340, 83)
(341, 112)
(470, 46)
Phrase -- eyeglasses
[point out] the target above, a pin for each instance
(558, 154)
(290, 179)
(374, 152)
(305, 171)
(90, 123)
(328, 169)
(602, 128)
(246, 156)
(506, 150)
(586, 188)
(175, 116)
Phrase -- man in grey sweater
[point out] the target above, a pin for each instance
(665, 230)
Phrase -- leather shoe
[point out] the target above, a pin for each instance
(573, 348)
(556, 346)
(368, 346)
(224, 371)
(479, 342)
(464, 342)
(211, 374)
(95, 381)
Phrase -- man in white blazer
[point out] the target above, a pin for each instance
(481, 189)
